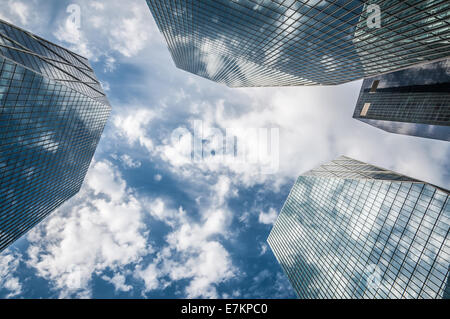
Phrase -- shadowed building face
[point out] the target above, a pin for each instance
(286, 43)
(52, 114)
(352, 230)
(414, 101)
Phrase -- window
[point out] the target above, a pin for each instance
(374, 86)
(365, 109)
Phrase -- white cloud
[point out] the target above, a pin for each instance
(97, 5)
(212, 265)
(9, 263)
(245, 218)
(98, 35)
(177, 153)
(105, 85)
(268, 218)
(118, 280)
(102, 229)
(188, 159)
(194, 254)
(193, 250)
(129, 162)
(134, 127)
(222, 189)
(157, 177)
(129, 35)
(103, 179)
(69, 31)
(315, 126)
(19, 9)
(159, 210)
(150, 276)
(263, 249)
(110, 64)
(24, 14)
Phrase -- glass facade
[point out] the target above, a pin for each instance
(52, 114)
(413, 101)
(286, 42)
(352, 230)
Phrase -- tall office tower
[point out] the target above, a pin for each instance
(52, 113)
(287, 42)
(352, 230)
(413, 101)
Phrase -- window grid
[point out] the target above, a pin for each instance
(332, 229)
(276, 43)
(49, 128)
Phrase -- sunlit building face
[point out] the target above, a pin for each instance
(250, 43)
(52, 114)
(353, 230)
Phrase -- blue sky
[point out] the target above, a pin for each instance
(150, 222)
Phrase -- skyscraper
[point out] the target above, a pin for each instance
(413, 101)
(52, 113)
(353, 230)
(286, 42)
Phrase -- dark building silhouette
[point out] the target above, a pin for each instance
(414, 101)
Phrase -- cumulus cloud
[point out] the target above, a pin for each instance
(102, 229)
(19, 9)
(105, 85)
(69, 31)
(130, 34)
(134, 127)
(94, 34)
(263, 249)
(110, 64)
(97, 5)
(315, 126)
(268, 218)
(194, 254)
(193, 248)
(239, 152)
(129, 162)
(9, 280)
(118, 281)
(23, 13)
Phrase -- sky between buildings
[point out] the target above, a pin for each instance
(149, 221)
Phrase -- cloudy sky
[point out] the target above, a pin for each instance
(151, 222)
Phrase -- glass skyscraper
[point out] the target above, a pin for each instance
(413, 101)
(286, 42)
(52, 114)
(353, 230)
